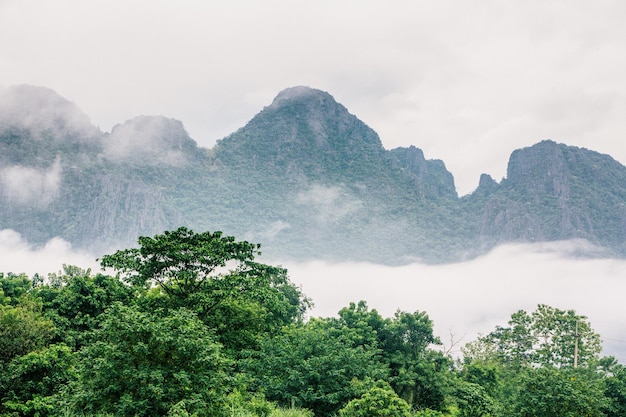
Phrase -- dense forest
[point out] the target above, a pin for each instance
(188, 324)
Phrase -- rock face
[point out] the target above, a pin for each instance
(431, 178)
(554, 192)
(305, 133)
(304, 177)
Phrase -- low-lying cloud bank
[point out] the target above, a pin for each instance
(471, 298)
(463, 299)
(18, 256)
(31, 186)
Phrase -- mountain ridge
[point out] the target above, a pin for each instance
(304, 177)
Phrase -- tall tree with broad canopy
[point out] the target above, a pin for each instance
(216, 277)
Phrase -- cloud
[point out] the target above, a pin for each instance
(274, 229)
(328, 204)
(149, 139)
(18, 256)
(44, 114)
(31, 186)
(471, 298)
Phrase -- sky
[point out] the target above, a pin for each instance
(466, 82)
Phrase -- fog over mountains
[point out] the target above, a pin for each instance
(305, 178)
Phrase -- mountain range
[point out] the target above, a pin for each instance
(304, 177)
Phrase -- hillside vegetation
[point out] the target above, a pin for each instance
(304, 175)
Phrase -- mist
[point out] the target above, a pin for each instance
(31, 186)
(18, 256)
(463, 299)
(44, 114)
(329, 204)
(470, 298)
(153, 140)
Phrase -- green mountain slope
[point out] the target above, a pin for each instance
(304, 177)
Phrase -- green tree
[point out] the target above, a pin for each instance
(473, 400)
(32, 383)
(184, 263)
(13, 287)
(312, 366)
(559, 332)
(378, 401)
(367, 325)
(528, 367)
(546, 337)
(23, 329)
(614, 374)
(145, 364)
(74, 299)
(553, 392)
(417, 373)
(216, 277)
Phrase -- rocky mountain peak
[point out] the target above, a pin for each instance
(301, 94)
(305, 132)
(316, 107)
(541, 162)
(430, 177)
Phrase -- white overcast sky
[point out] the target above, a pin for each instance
(467, 82)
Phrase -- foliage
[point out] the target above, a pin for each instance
(378, 401)
(32, 382)
(216, 277)
(473, 400)
(193, 325)
(23, 329)
(614, 375)
(74, 300)
(546, 337)
(528, 368)
(553, 392)
(427, 412)
(13, 287)
(291, 412)
(417, 373)
(312, 366)
(182, 262)
(145, 364)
